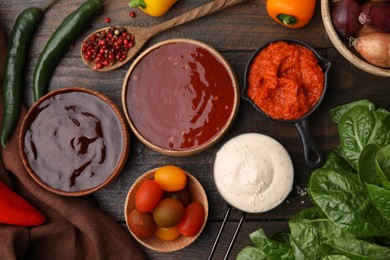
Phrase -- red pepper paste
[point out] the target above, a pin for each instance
(285, 80)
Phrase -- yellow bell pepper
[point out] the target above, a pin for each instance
(153, 7)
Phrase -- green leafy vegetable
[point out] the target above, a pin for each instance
(342, 198)
(351, 194)
(270, 249)
(359, 249)
(382, 164)
(361, 125)
(373, 172)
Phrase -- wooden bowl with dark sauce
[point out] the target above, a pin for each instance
(180, 97)
(74, 141)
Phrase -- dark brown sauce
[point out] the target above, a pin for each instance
(180, 96)
(74, 141)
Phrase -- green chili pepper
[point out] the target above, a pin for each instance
(60, 42)
(19, 41)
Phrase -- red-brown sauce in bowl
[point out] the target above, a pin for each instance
(180, 96)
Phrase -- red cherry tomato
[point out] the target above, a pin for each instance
(192, 220)
(148, 196)
(141, 224)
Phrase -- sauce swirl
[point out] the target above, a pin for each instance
(74, 141)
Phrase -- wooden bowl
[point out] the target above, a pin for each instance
(342, 45)
(74, 141)
(197, 193)
(160, 106)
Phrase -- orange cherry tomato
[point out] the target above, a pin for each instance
(171, 178)
(192, 220)
(167, 234)
(291, 13)
(148, 196)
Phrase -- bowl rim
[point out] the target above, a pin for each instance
(125, 149)
(324, 64)
(340, 46)
(169, 248)
(219, 134)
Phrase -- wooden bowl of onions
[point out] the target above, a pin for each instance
(356, 34)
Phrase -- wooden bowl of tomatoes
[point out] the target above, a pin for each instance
(166, 209)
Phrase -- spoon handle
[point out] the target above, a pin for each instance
(194, 14)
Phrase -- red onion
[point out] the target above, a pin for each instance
(376, 15)
(345, 17)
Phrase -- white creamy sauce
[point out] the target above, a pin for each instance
(253, 172)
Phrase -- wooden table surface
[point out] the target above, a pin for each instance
(236, 32)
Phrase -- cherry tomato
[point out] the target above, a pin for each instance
(148, 196)
(182, 195)
(167, 234)
(168, 212)
(192, 220)
(171, 178)
(141, 224)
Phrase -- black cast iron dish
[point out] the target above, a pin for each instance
(312, 153)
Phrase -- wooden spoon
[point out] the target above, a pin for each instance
(143, 34)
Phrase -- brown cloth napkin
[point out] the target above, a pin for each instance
(76, 227)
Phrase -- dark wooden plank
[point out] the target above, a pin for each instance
(242, 27)
(201, 247)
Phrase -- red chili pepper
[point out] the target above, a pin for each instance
(15, 210)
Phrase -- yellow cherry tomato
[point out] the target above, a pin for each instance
(171, 178)
(167, 234)
(291, 13)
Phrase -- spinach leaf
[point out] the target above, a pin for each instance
(338, 112)
(283, 237)
(335, 161)
(323, 225)
(305, 239)
(382, 163)
(342, 198)
(367, 167)
(251, 253)
(359, 126)
(271, 247)
(380, 198)
(265, 248)
(373, 177)
(359, 249)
